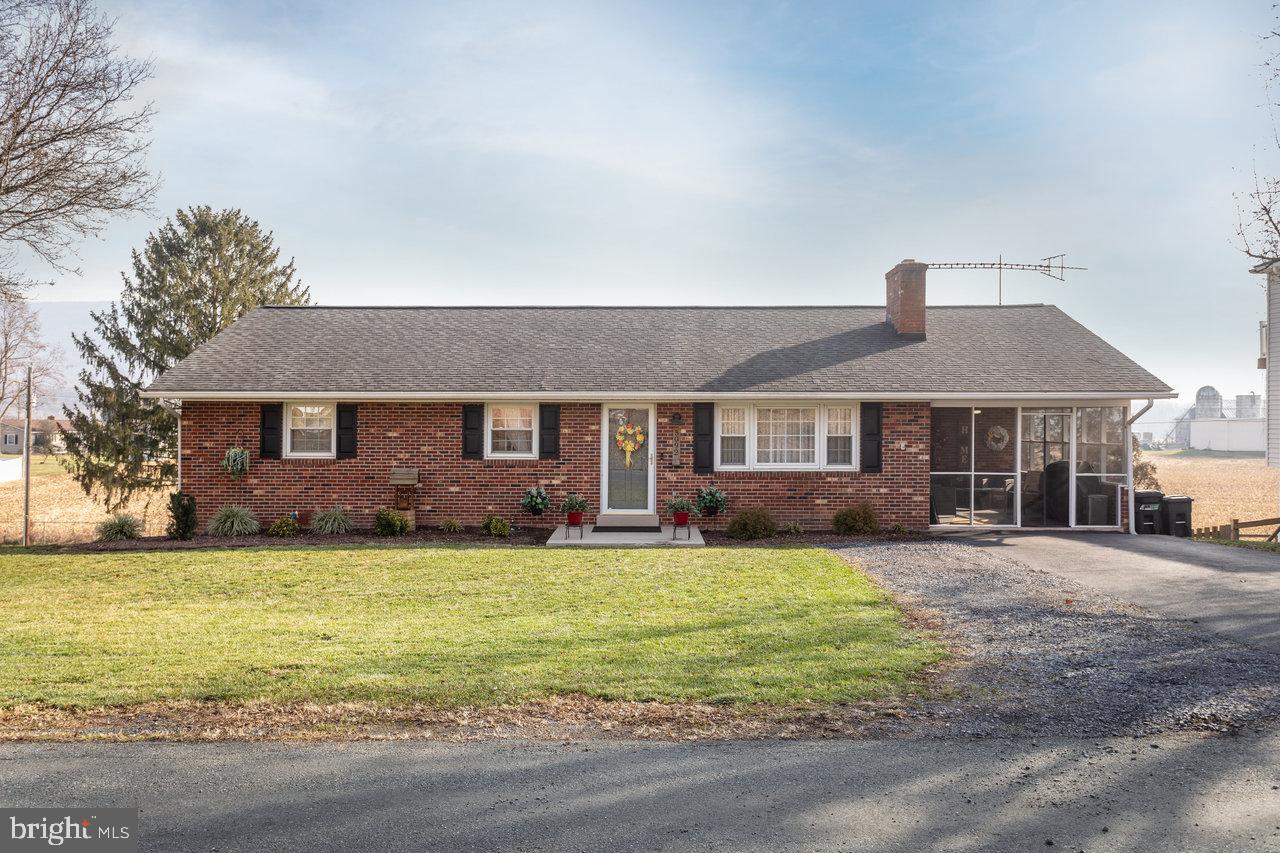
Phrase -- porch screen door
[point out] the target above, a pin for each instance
(628, 480)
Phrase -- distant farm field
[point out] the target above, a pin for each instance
(60, 510)
(1224, 486)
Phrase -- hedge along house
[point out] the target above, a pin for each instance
(1001, 416)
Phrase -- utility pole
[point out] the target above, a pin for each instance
(26, 469)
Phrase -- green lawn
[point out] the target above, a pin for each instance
(449, 626)
(42, 465)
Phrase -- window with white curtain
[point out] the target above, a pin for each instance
(768, 435)
(786, 436)
(840, 435)
(733, 435)
(310, 429)
(511, 430)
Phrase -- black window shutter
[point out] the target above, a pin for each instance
(270, 429)
(346, 430)
(704, 437)
(872, 437)
(548, 431)
(473, 431)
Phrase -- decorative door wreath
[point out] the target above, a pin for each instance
(997, 438)
(629, 438)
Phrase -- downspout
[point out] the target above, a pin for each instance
(1128, 460)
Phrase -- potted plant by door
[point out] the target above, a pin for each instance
(679, 510)
(573, 507)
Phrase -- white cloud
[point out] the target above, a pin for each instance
(196, 74)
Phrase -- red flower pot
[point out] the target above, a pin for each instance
(575, 519)
(682, 518)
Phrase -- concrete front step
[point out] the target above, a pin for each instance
(622, 523)
(665, 536)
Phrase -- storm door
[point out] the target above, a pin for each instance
(628, 455)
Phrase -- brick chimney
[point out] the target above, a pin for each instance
(904, 298)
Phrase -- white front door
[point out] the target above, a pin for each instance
(627, 477)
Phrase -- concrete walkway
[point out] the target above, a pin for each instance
(1231, 591)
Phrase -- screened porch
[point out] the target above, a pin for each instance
(1028, 466)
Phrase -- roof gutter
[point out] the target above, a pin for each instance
(692, 394)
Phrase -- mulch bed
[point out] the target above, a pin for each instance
(425, 536)
(556, 718)
(807, 539)
(520, 536)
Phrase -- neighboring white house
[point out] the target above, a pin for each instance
(1270, 344)
(10, 469)
(10, 437)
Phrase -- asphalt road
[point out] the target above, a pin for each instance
(1183, 793)
(1232, 591)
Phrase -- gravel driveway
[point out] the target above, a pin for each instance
(1050, 656)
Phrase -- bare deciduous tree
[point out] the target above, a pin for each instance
(21, 345)
(72, 145)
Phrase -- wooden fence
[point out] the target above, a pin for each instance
(1232, 530)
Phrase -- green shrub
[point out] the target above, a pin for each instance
(287, 526)
(496, 526)
(791, 528)
(711, 501)
(535, 500)
(899, 529)
(182, 516)
(574, 503)
(388, 522)
(451, 525)
(857, 520)
(233, 521)
(236, 462)
(752, 524)
(331, 522)
(119, 526)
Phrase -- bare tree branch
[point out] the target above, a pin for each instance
(72, 146)
(22, 346)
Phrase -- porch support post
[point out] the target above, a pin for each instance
(1128, 457)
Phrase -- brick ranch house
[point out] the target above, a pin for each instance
(1004, 416)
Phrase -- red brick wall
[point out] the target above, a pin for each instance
(428, 436)
(900, 494)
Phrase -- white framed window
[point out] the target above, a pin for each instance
(786, 436)
(732, 445)
(839, 447)
(11, 439)
(310, 430)
(510, 431)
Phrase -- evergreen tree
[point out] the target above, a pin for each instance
(194, 277)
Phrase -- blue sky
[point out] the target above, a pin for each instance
(727, 153)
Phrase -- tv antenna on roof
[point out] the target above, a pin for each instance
(1054, 266)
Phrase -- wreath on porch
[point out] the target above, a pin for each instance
(628, 438)
(997, 438)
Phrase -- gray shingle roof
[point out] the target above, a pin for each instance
(770, 350)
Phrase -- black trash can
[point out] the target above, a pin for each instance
(1148, 511)
(1176, 515)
